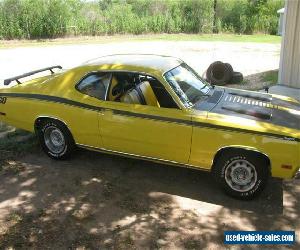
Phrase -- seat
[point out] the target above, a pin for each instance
(131, 96)
(148, 94)
(113, 93)
(141, 94)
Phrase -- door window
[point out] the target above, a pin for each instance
(135, 88)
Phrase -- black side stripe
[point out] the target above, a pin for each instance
(152, 117)
(201, 124)
(53, 99)
(240, 130)
(146, 116)
(94, 108)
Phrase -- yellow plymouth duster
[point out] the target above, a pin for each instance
(158, 108)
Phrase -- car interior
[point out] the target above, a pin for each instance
(127, 87)
(141, 89)
(131, 88)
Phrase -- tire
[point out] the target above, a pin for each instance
(242, 174)
(237, 77)
(229, 67)
(55, 139)
(219, 73)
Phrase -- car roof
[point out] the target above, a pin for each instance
(147, 63)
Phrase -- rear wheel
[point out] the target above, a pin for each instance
(241, 174)
(55, 139)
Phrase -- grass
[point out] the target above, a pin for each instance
(14, 142)
(257, 81)
(257, 38)
(245, 81)
(271, 76)
(17, 141)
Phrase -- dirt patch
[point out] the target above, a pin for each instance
(100, 201)
(257, 81)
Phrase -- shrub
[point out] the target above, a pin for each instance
(33, 19)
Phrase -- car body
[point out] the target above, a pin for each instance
(179, 132)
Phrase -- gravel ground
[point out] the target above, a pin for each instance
(249, 58)
(109, 202)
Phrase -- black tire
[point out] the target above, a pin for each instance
(239, 160)
(229, 67)
(209, 73)
(219, 73)
(68, 146)
(237, 77)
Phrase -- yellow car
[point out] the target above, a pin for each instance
(158, 108)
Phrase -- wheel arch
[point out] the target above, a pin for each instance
(48, 121)
(39, 119)
(237, 148)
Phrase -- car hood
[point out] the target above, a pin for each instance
(253, 105)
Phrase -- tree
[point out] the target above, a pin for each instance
(215, 29)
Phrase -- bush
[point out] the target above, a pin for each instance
(33, 19)
(249, 16)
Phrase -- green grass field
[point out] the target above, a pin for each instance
(258, 38)
(271, 76)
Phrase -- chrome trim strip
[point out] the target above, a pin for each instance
(148, 158)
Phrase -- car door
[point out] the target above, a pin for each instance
(89, 96)
(156, 132)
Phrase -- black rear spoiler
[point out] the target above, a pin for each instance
(16, 78)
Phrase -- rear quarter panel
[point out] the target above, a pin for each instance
(22, 112)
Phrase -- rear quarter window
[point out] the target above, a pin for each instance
(95, 85)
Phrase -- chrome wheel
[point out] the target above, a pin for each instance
(241, 175)
(54, 140)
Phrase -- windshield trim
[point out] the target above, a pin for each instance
(183, 64)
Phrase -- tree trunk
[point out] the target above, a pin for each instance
(215, 29)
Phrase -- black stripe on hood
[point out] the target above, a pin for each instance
(255, 106)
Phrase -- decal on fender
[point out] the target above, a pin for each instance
(3, 100)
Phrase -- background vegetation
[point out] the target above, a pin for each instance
(31, 19)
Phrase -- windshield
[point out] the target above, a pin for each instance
(187, 84)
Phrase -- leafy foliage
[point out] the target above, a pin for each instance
(31, 19)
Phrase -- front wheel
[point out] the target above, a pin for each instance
(55, 139)
(241, 174)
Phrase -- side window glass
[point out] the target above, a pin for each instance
(134, 88)
(95, 85)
